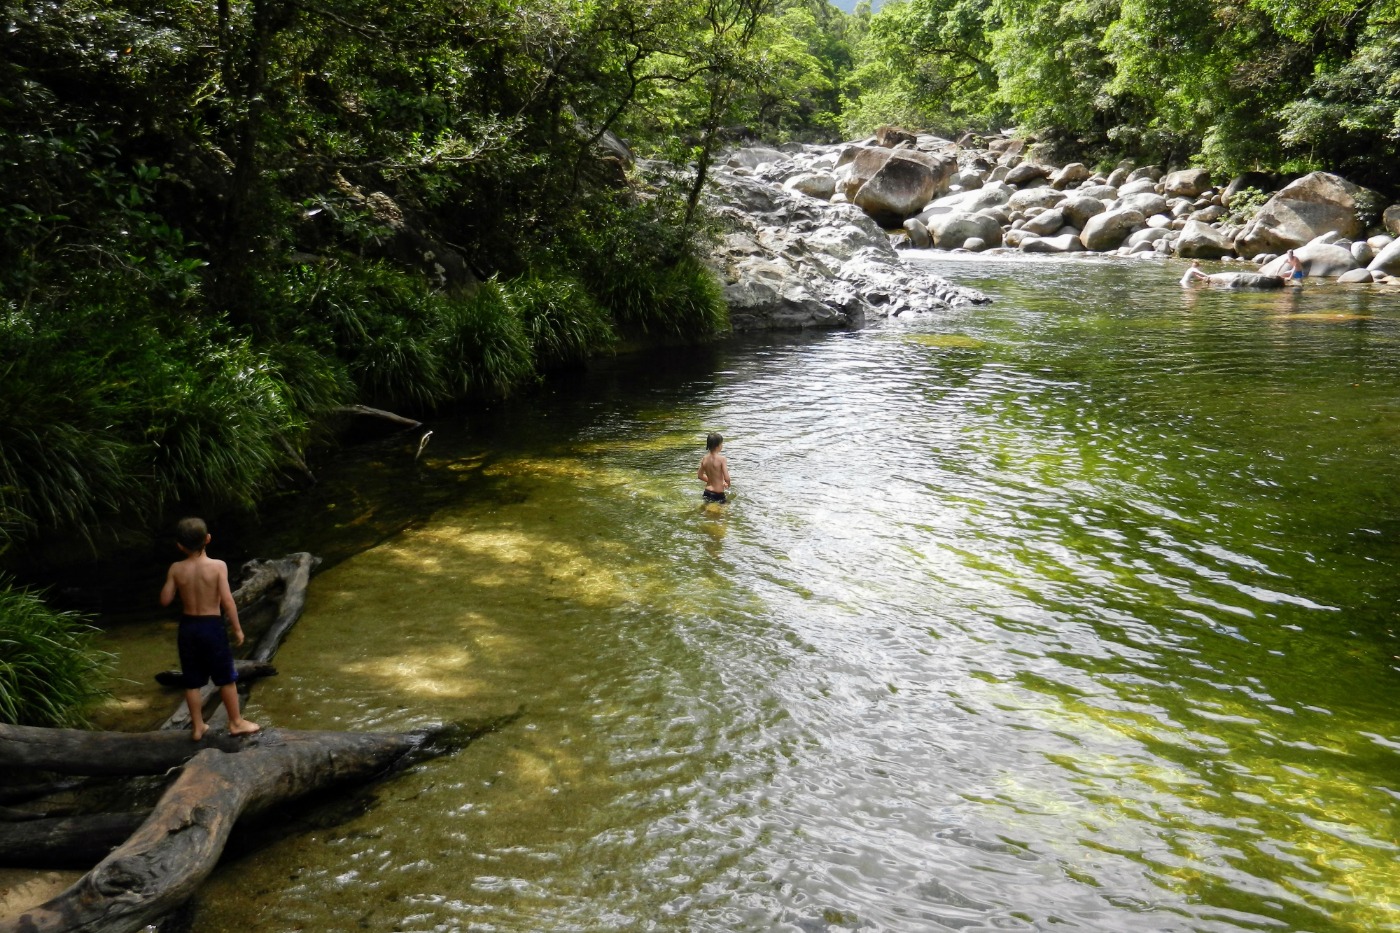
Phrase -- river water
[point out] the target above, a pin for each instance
(1072, 612)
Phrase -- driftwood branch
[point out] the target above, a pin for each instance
(177, 846)
(368, 412)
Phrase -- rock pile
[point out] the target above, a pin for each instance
(934, 193)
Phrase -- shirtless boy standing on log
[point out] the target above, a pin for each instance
(202, 585)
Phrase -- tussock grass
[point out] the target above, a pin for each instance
(50, 669)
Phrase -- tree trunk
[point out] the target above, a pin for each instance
(177, 846)
(65, 842)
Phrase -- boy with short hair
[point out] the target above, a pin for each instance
(202, 585)
(714, 470)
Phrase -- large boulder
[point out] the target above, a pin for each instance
(1120, 174)
(1078, 209)
(1137, 186)
(1064, 243)
(755, 156)
(1154, 172)
(1027, 198)
(1315, 204)
(902, 185)
(1145, 202)
(1245, 280)
(1320, 260)
(1387, 260)
(1391, 219)
(1027, 171)
(1071, 175)
(1102, 192)
(813, 184)
(918, 233)
(1148, 235)
(952, 231)
(888, 137)
(1259, 181)
(1356, 277)
(1202, 241)
(1187, 183)
(1046, 223)
(1108, 230)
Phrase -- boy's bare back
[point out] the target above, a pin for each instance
(201, 582)
(714, 470)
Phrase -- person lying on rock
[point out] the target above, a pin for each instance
(201, 582)
(1193, 274)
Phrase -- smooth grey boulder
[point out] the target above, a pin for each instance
(1148, 235)
(918, 233)
(1146, 203)
(1187, 183)
(900, 187)
(1362, 252)
(1108, 230)
(1137, 186)
(951, 231)
(1078, 209)
(1390, 219)
(1387, 260)
(1072, 174)
(1380, 241)
(1153, 172)
(968, 181)
(1102, 192)
(1317, 203)
(1245, 280)
(974, 244)
(755, 156)
(1034, 197)
(1119, 175)
(1027, 171)
(1202, 241)
(1207, 215)
(1320, 260)
(1064, 243)
(1046, 223)
(1357, 276)
(813, 184)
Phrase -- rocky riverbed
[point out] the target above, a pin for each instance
(812, 231)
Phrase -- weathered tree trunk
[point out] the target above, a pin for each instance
(178, 845)
(65, 842)
(79, 751)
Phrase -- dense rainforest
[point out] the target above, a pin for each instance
(221, 221)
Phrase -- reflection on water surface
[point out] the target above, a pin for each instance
(1071, 612)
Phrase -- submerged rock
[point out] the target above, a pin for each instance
(1245, 280)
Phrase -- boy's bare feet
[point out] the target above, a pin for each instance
(243, 727)
(197, 732)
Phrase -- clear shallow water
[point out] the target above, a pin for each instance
(1077, 611)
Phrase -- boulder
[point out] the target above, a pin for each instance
(1260, 181)
(1208, 215)
(1102, 192)
(1027, 171)
(1380, 241)
(1046, 223)
(1070, 175)
(1202, 241)
(1320, 260)
(968, 181)
(1390, 218)
(813, 184)
(1119, 176)
(888, 137)
(952, 231)
(1245, 280)
(1078, 209)
(901, 186)
(1137, 186)
(1146, 203)
(1108, 230)
(1187, 183)
(1356, 276)
(974, 244)
(860, 167)
(1154, 172)
(755, 156)
(1315, 204)
(1148, 235)
(1362, 252)
(1064, 243)
(918, 233)
(1034, 197)
(1387, 260)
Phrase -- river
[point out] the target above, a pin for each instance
(1072, 612)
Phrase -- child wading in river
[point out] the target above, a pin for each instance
(714, 470)
(202, 585)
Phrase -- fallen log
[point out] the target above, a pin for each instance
(79, 751)
(380, 413)
(247, 670)
(65, 842)
(177, 846)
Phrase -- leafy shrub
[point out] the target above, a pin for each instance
(49, 667)
(485, 345)
(1244, 204)
(565, 325)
